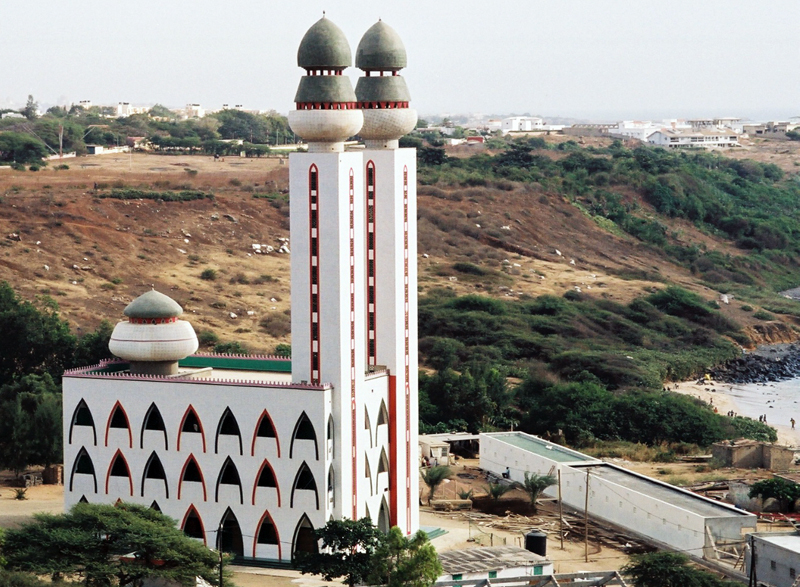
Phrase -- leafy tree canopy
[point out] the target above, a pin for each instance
(21, 148)
(402, 561)
(106, 545)
(670, 569)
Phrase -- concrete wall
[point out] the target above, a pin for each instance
(775, 565)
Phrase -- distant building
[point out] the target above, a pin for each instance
(777, 558)
(195, 111)
(492, 562)
(521, 124)
(698, 139)
(125, 109)
(85, 104)
(11, 115)
(774, 129)
(724, 122)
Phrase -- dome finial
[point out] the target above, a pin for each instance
(323, 14)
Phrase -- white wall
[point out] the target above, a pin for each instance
(784, 560)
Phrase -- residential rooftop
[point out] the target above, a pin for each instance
(541, 447)
(489, 558)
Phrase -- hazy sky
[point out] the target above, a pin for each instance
(595, 59)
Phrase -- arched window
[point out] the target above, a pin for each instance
(304, 539)
(229, 475)
(83, 466)
(191, 424)
(384, 522)
(267, 535)
(83, 499)
(383, 467)
(229, 535)
(368, 425)
(228, 426)
(119, 419)
(368, 472)
(383, 420)
(331, 486)
(330, 436)
(153, 469)
(191, 473)
(304, 481)
(266, 478)
(82, 416)
(119, 468)
(153, 422)
(265, 429)
(304, 430)
(154, 506)
(192, 525)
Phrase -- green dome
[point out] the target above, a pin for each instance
(389, 88)
(153, 305)
(324, 46)
(381, 48)
(325, 88)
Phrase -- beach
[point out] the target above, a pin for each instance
(778, 400)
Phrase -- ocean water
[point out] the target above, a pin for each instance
(779, 400)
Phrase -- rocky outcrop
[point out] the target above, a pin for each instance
(766, 365)
(770, 333)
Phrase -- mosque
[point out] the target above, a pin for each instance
(249, 454)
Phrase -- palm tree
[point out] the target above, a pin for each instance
(534, 484)
(498, 490)
(433, 477)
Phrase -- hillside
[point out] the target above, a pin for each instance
(93, 253)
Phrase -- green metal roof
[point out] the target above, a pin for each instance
(153, 304)
(239, 363)
(325, 88)
(324, 45)
(381, 48)
(388, 88)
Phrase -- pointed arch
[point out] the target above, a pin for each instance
(304, 430)
(267, 533)
(191, 424)
(155, 422)
(229, 535)
(83, 465)
(192, 473)
(83, 499)
(154, 469)
(154, 506)
(383, 467)
(229, 475)
(304, 480)
(384, 521)
(118, 467)
(368, 425)
(303, 539)
(228, 426)
(118, 418)
(331, 486)
(383, 414)
(368, 472)
(265, 428)
(266, 478)
(192, 524)
(82, 416)
(330, 437)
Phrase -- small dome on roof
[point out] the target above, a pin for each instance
(324, 46)
(153, 304)
(381, 49)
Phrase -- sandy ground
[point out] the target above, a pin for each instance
(42, 498)
(721, 395)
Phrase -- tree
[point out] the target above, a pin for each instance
(92, 347)
(498, 490)
(122, 544)
(31, 108)
(669, 569)
(20, 148)
(405, 562)
(35, 339)
(784, 491)
(348, 550)
(431, 156)
(10, 579)
(30, 429)
(534, 484)
(434, 476)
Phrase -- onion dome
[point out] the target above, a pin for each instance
(381, 49)
(324, 46)
(153, 340)
(382, 93)
(327, 112)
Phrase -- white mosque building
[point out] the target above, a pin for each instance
(251, 453)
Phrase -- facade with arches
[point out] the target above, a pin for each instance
(250, 454)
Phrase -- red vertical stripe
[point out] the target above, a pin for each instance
(352, 233)
(406, 287)
(394, 442)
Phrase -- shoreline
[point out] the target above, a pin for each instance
(747, 399)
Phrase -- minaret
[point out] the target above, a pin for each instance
(391, 255)
(327, 216)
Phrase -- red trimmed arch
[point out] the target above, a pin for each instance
(189, 410)
(202, 477)
(264, 414)
(258, 476)
(118, 406)
(119, 455)
(258, 530)
(199, 519)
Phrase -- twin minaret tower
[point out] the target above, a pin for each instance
(354, 270)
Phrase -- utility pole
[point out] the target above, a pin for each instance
(219, 548)
(560, 511)
(60, 141)
(753, 578)
(586, 520)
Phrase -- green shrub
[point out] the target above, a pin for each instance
(207, 338)
(762, 315)
(209, 274)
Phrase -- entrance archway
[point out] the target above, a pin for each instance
(229, 538)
